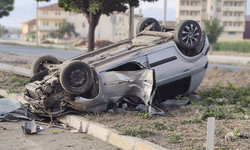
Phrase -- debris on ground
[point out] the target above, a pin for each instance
(30, 127)
(13, 110)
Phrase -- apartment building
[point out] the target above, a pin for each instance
(230, 13)
(114, 27)
(28, 29)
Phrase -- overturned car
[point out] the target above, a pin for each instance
(155, 65)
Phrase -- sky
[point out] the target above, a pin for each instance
(26, 9)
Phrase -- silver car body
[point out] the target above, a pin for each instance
(160, 62)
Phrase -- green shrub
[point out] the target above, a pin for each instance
(13, 79)
(240, 46)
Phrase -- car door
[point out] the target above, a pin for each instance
(169, 66)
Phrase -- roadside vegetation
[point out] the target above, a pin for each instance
(240, 46)
(185, 128)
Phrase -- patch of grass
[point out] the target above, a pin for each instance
(87, 138)
(175, 138)
(145, 115)
(168, 127)
(220, 130)
(196, 120)
(222, 148)
(120, 124)
(236, 132)
(139, 132)
(13, 79)
(219, 94)
(156, 126)
(16, 91)
(23, 82)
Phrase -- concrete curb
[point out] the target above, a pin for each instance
(15, 70)
(97, 130)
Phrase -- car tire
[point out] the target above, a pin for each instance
(37, 65)
(187, 34)
(76, 77)
(145, 22)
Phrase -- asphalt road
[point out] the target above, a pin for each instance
(69, 54)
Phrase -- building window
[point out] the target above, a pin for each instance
(225, 24)
(211, 7)
(83, 25)
(70, 13)
(238, 14)
(56, 13)
(218, 0)
(187, 12)
(204, 0)
(225, 14)
(73, 24)
(196, 3)
(218, 10)
(123, 34)
(115, 33)
(191, 3)
(231, 13)
(231, 4)
(47, 12)
(204, 10)
(191, 13)
(230, 23)
(239, 3)
(43, 12)
(182, 13)
(122, 19)
(187, 3)
(59, 24)
(231, 33)
(56, 24)
(44, 23)
(59, 13)
(182, 3)
(238, 24)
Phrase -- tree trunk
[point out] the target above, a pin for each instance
(93, 20)
(91, 38)
(211, 48)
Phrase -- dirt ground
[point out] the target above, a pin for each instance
(14, 138)
(173, 131)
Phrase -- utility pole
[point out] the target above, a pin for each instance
(164, 12)
(131, 22)
(36, 23)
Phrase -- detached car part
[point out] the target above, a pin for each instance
(156, 65)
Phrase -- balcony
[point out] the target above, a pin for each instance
(233, 18)
(46, 28)
(234, 8)
(54, 17)
(190, 8)
(196, 18)
(234, 28)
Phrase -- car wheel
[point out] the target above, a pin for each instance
(37, 65)
(145, 22)
(187, 34)
(76, 77)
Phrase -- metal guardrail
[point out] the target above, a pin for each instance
(15, 70)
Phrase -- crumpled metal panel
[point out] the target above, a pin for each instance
(116, 85)
(128, 83)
